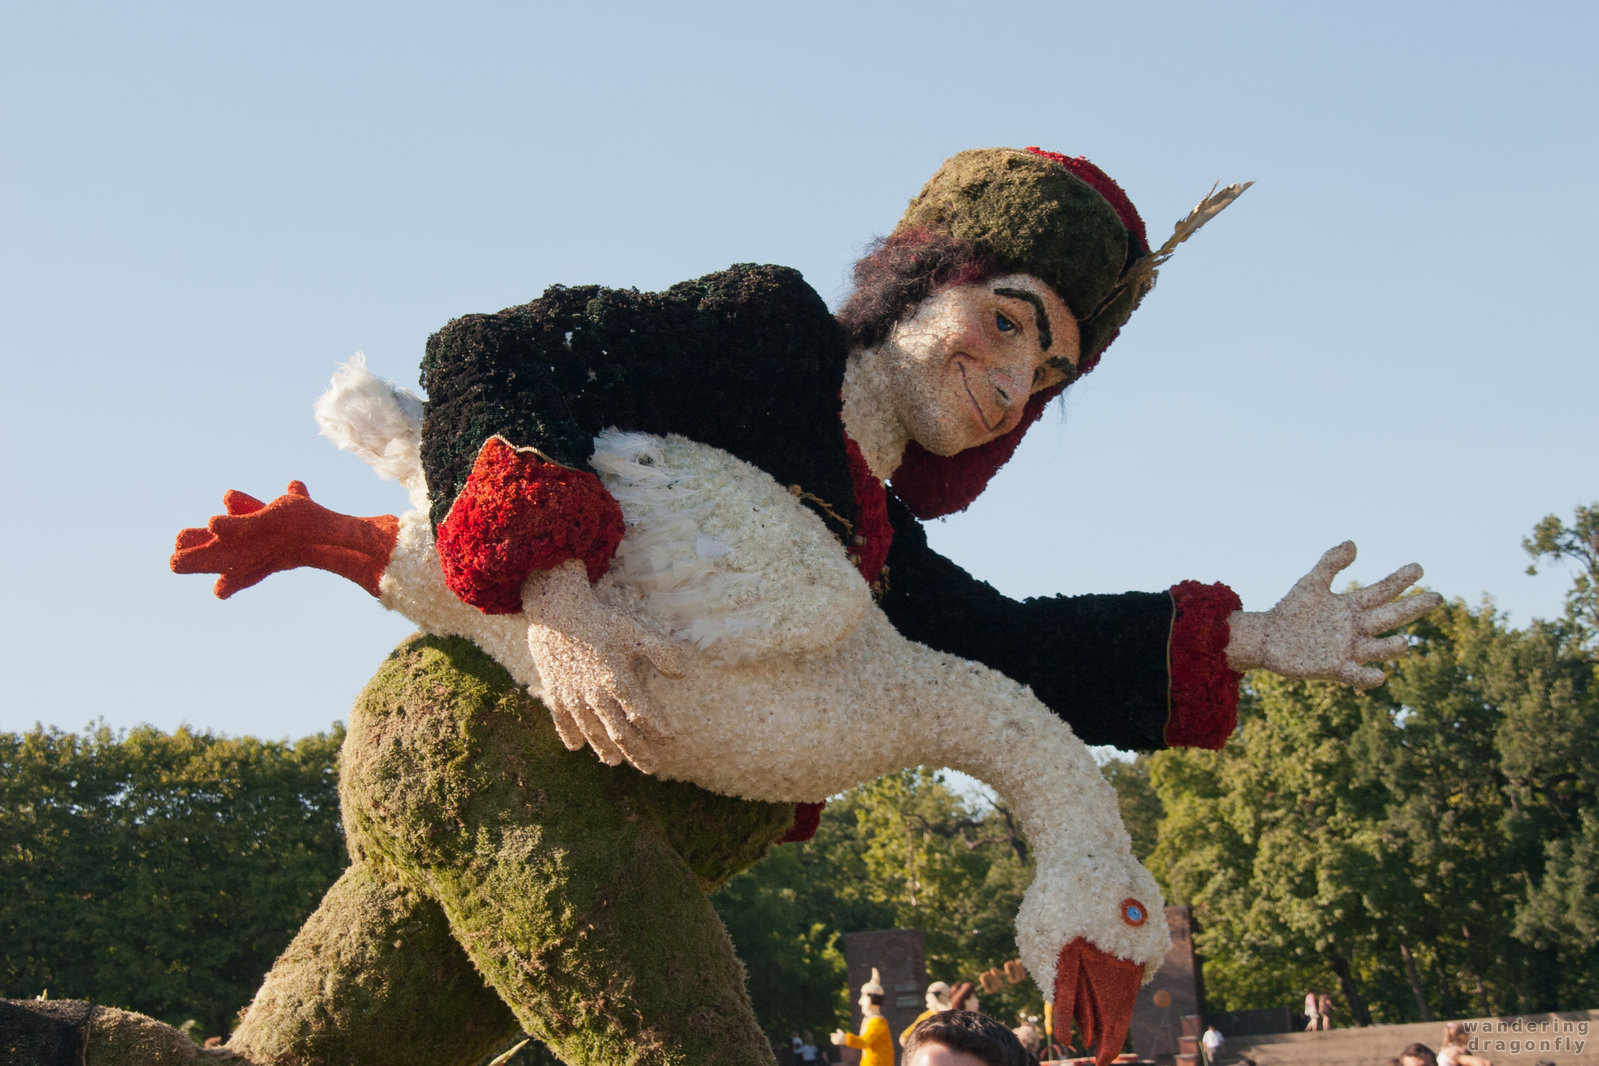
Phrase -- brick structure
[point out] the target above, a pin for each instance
(1166, 1015)
(900, 956)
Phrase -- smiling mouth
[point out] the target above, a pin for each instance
(967, 385)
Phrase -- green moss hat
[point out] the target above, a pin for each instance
(1060, 219)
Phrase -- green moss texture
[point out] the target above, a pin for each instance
(503, 882)
(76, 1033)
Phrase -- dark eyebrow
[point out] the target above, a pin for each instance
(1044, 337)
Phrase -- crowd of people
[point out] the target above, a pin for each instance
(945, 1038)
(1456, 1051)
(952, 1032)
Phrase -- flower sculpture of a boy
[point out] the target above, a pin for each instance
(503, 878)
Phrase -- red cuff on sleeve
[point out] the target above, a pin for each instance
(1203, 704)
(807, 817)
(519, 513)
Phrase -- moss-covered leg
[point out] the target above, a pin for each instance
(373, 978)
(717, 836)
(555, 872)
(71, 1032)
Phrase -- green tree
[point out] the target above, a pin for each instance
(902, 851)
(781, 918)
(1565, 906)
(1576, 544)
(1275, 841)
(1549, 686)
(1140, 806)
(161, 873)
(1427, 846)
(1447, 811)
(948, 864)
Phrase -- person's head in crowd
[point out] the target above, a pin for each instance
(963, 1038)
(1418, 1055)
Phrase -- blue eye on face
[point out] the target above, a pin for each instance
(1003, 324)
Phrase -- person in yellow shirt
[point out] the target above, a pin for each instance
(937, 1000)
(940, 997)
(875, 1043)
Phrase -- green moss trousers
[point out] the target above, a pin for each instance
(500, 882)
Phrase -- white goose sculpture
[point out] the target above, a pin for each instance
(796, 687)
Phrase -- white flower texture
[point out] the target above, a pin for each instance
(741, 583)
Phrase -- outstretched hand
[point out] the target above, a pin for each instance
(587, 657)
(1314, 632)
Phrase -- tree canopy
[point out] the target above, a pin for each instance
(1424, 848)
(161, 872)
(905, 851)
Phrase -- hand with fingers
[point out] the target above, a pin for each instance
(1314, 632)
(587, 656)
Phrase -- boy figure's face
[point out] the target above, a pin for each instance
(965, 363)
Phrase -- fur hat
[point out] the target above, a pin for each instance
(1063, 220)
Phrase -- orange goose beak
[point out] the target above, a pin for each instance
(1097, 989)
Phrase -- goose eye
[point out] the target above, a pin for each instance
(1133, 912)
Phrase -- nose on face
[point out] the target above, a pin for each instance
(1011, 385)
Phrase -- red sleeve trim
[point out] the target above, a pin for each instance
(518, 513)
(807, 816)
(1202, 707)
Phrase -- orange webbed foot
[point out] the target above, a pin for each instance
(254, 540)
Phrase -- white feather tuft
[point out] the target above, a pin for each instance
(379, 421)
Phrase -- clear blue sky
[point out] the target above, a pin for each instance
(206, 206)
